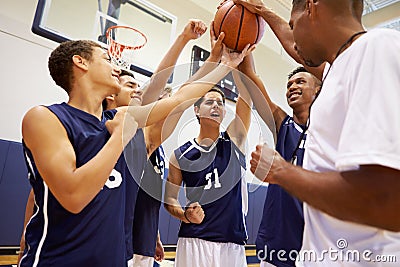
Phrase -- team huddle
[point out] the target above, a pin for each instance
(334, 174)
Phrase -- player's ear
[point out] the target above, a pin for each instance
(110, 101)
(310, 6)
(110, 97)
(196, 110)
(79, 61)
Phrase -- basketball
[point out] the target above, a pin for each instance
(241, 27)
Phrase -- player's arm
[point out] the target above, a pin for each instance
(367, 196)
(188, 93)
(240, 125)
(260, 97)
(156, 133)
(214, 58)
(28, 214)
(159, 253)
(194, 213)
(281, 29)
(172, 187)
(193, 30)
(55, 157)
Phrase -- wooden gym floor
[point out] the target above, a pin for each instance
(12, 259)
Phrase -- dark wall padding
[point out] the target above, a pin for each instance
(14, 191)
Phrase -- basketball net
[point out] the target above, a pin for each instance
(122, 41)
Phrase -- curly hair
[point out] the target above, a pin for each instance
(60, 60)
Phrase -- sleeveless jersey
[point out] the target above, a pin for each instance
(94, 236)
(214, 177)
(147, 210)
(282, 222)
(135, 155)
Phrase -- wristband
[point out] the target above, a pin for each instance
(184, 214)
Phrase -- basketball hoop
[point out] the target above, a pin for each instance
(122, 41)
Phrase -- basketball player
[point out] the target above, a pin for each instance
(142, 209)
(147, 244)
(137, 157)
(73, 154)
(351, 179)
(212, 167)
(282, 222)
(149, 138)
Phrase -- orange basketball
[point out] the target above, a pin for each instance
(241, 27)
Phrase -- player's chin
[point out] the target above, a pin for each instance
(214, 120)
(135, 102)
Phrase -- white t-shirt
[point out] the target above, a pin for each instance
(355, 121)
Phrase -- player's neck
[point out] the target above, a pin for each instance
(301, 117)
(208, 135)
(90, 104)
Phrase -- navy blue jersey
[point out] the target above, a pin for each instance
(214, 177)
(282, 222)
(147, 210)
(94, 236)
(135, 154)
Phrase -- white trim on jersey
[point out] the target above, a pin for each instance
(298, 128)
(28, 159)
(30, 219)
(186, 151)
(195, 145)
(45, 225)
(245, 195)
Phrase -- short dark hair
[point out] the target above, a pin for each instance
(302, 69)
(214, 89)
(60, 61)
(297, 3)
(126, 73)
(297, 70)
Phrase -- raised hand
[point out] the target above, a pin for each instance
(216, 43)
(254, 6)
(194, 29)
(220, 4)
(194, 213)
(232, 58)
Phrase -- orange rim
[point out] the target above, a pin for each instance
(114, 43)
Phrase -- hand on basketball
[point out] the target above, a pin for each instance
(254, 6)
(195, 213)
(265, 162)
(194, 29)
(216, 44)
(232, 58)
(123, 124)
(220, 4)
